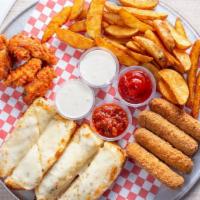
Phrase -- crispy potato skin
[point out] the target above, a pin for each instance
(94, 18)
(117, 49)
(74, 39)
(196, 102)
(176, 116)
(194, 56)
(165, 34)
(145, 4)
(166, 92)
(167, 131)
(153, 49)
(163, 150)
(76, 9)
(176, 83)
(57, 21)
(78, 26)
(155, 167)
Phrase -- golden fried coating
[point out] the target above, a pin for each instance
(163, 150)
(155, 167)
(176, 116)
(24, 74)
(5, 61)
(168, 132)
(39, 86)
(23, 47)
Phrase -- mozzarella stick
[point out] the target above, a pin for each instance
(177, 116)
(168, 131)
(155, 167)
(163, 150)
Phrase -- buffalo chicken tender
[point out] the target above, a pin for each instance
(101, 173)
(82, 148)
(26, 133)
(163, 150)
(24, 74)
(176, 116)
(168, 131)
(155, 167)
(23, 48)
(42, 155)
(39, 86)
(5, 61)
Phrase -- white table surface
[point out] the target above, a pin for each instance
(190, 9)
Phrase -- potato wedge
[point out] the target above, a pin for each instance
(120, 32)
(135, 47)
(176, 84)
(132, 22)
(194, 56)
(166, 92)
(184, 59)
(74, 39)
(113, 19)
(196, 102)
(153, 69)
(172, 61)
(165, 34)
(139, 57)
(118, 40)
(57, 21)
(123, 57)
(144, 4)
(180, 28)
(153, 49)
(105, 24)
(83, 13)
(181, 42)
(78, 26)
(94, 18)
(139, 13)
(76, 9)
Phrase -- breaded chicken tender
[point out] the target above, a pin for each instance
(24, 74)
(155, 167)
(177, 117)
(23, 47)
(163, 150)
(168, 132)
(5, 61)
(39, 86)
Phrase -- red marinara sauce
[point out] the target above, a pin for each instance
(110, 120)
(135, 86)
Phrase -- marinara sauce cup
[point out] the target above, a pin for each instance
(120, 105)
(151, 80)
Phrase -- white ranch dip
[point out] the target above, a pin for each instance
(74, 100)
(98, 67)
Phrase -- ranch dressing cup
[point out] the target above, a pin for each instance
(98, 67)
(74, 100)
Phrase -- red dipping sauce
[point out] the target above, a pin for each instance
(109, 120)
(135, 86)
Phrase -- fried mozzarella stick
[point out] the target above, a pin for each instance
(177, 116)
(163, 150)
(168, 131)
(155, 167)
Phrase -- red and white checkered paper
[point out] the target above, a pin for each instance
(133, 182)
